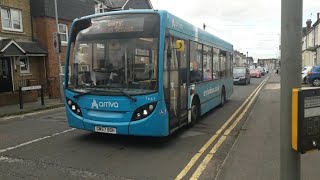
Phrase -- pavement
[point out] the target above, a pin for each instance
(30, 107)
(255, 155)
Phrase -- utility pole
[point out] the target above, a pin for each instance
(59, 57)
(247, 59)
(291, 57)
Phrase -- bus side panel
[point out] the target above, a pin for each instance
(209, 94)
(228, 83)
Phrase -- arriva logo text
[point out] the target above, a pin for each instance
(107, 104)
(211, 91)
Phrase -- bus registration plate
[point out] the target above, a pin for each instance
(109, 130)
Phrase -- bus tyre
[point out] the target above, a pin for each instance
(223, 97)
(195, 113)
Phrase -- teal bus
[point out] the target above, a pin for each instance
(143, 73)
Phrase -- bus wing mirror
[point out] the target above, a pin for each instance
(180, 45)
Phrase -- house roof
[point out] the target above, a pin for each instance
(128, 4)
(11, 47)
(118, 3)
(138, 4)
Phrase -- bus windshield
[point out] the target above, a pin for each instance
(116, 53)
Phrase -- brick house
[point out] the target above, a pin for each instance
(22, 60)
(112, 5)
(44, 25)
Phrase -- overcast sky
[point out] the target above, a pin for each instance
(250, 25)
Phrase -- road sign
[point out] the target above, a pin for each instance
(57, 42)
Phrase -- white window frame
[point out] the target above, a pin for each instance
(63, 33)
(27, 64)
(62, 72)
(11, 20)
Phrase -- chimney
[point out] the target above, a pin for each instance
(309, 22)
(318, 16)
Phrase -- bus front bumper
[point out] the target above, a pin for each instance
(153, 125)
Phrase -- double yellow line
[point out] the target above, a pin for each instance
(209, 156)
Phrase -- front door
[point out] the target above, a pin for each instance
(178, 86)
(5, 75)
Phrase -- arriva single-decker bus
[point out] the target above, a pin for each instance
(143, 73)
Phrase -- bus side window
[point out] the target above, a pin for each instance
(215, 64)
(223, 64)
(207, 63)
(196, 69)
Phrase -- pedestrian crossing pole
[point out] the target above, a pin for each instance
(291, 62)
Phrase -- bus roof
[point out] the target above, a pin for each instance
(177, 27)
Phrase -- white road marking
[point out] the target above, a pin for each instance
(30, 114)
(67, 170)
(195, 158)
(35, 140)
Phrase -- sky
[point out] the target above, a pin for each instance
(252, 26)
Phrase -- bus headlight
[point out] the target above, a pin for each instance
(143, 111)
(74, 107)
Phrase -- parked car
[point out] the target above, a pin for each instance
(304, 74)
(314, 76)
(255, 73)
(267, 70)
(241, 75)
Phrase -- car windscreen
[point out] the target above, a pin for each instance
(239, 71)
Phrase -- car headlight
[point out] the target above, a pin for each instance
(74, 107)
(144, 111)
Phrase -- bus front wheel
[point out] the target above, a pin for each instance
(195, 113)
(223, 97)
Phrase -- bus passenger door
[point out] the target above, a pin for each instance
(176, 90)
(182, 58)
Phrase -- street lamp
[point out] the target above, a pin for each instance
(247, 59)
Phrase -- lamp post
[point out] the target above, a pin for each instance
(247, 59)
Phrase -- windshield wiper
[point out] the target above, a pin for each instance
(126, 94)
(82, 94)
(90, 92)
